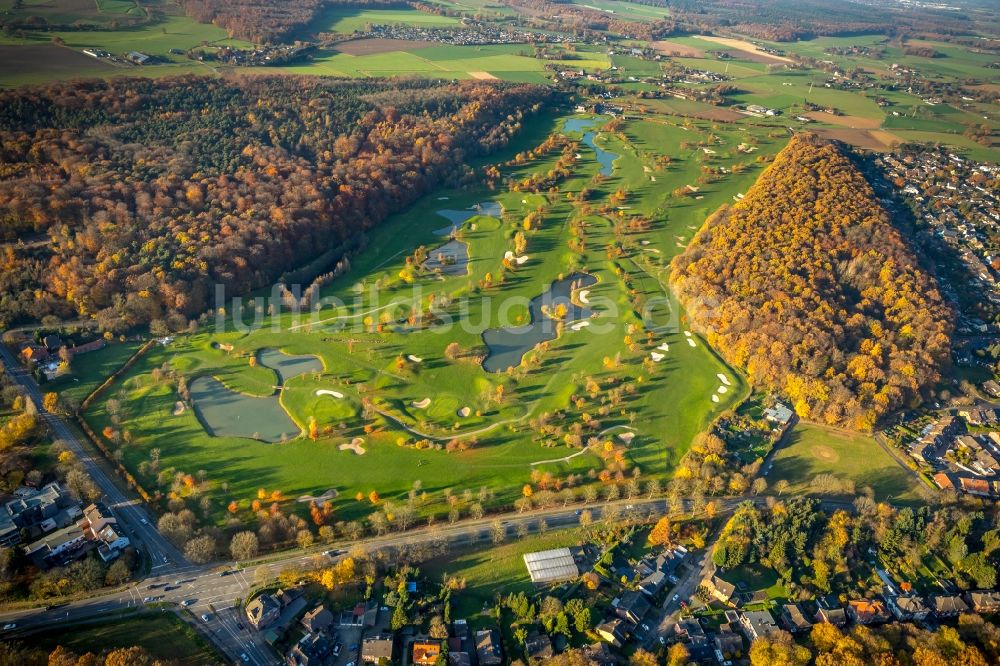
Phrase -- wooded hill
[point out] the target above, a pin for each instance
(808, 286)
(153, 191)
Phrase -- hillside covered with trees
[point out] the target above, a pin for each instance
(807, 285)
(140, 195)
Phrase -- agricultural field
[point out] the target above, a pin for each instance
(810, 449)
(356, 19)
(510, 62)
(41, 56)
(391, 406)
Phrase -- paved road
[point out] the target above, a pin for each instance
(130, 511)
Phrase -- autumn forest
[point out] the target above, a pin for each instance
(807, 285)
(151, 191)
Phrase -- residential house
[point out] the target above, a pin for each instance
(488, 647)
(426, 652)
(720, 589)
(691, 633)
(948, 606)
(614, 631)
(376, 648)
(317, 620)
(727, 641)
(35, 353)
(632, 606)
(908, 607)
(835, 616)
(867, 611)
(983, 601)
(37, 511)
(793, 618)
(459, 658)
(262, 611)
(538, 647)
(311, 650)
(100, 526)
(57, 546)
(600, 654)
(780, 414)
(757, 623)
(973, 486)
(944, 481)
(53, 342)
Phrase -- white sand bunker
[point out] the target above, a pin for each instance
(651, 249)
(330, 494)
(415, 359)
(691, 342)
(522, 260)
(580, 325)
(464, 412)
(644, 242)
(687, 334)
(626, 437)
(178, 408)
(421, 404)
(335, 394)
(715, 397)
(723, 379)
(584, 295)
(656, 356)
(664, 347)
(355, 445)
(722, 389)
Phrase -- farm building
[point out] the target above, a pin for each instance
(550, 566)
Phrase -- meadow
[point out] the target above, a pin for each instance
(383, 389)
(812, 449)
(163, 635)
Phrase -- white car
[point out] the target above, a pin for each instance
(675, 598)
(187, 602)
(205, 617)
(9, 626)
(245, 658)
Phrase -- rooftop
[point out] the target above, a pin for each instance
(548, 566)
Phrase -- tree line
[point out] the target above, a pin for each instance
(808, 286)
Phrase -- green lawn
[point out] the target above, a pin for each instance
(87, 371)
(497, 570)
(812, 449)
(163, 635)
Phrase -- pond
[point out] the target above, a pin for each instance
(226, 413)
(452, 258)
(605, 158)
(458, 217)
(507, 346)
(287, 365)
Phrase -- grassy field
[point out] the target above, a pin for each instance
(87, 370)
(354, 19)
(164, 636)
(505, 61)
(669, 405)
(811, 449)
(498, 570)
